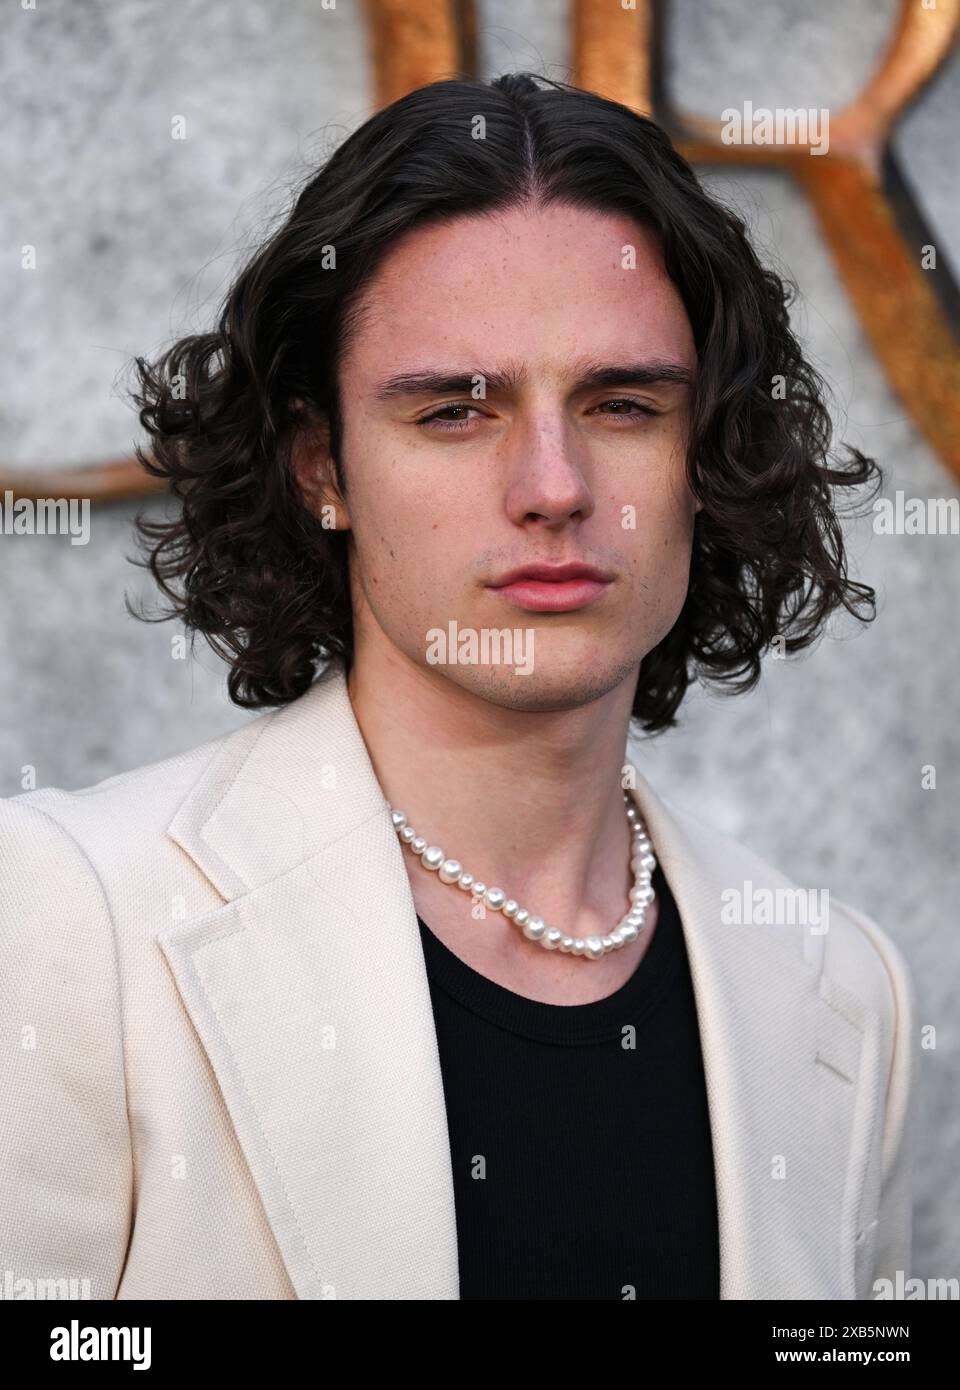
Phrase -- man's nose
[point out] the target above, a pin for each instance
(546, 472)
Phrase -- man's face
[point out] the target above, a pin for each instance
(540, 469)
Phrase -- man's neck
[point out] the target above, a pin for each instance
(529, 802)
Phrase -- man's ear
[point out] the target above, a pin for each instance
(313, 467)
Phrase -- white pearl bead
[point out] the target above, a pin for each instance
(521, 916)
(495, 898)
(433, 857)
(551, 940)
(465, 881)
(418, 845)
(642, 895)
(510, 907)
(408, 834)
(450, 870)
(398, 818)
(593, 947)
(533, 927)
(629, 931)
(479, 888)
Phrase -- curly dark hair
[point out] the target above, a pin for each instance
(247, 564)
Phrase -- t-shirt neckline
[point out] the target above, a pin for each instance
(565, 1024)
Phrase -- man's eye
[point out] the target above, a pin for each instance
(435, 421)
(639, 407)
(439, 419)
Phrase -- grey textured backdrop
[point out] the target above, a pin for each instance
(136, 236)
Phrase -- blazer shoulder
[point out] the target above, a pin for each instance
(716, 847)
(130, 802)
(854, 951)
(113, 832)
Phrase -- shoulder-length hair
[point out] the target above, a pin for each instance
(244, 561)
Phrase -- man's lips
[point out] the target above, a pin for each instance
(552, 588)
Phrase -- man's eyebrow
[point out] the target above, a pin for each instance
(652, 372)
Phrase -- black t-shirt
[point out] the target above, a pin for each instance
(579, 1134)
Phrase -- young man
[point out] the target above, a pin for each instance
(414, 988)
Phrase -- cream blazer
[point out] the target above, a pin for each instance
(219, 1075)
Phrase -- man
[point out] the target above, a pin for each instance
(414, 987)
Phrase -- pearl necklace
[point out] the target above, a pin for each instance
(642, 862)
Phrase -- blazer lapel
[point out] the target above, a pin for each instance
(782, 1052)
(308, 991)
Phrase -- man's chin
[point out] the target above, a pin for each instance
(539, 691)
